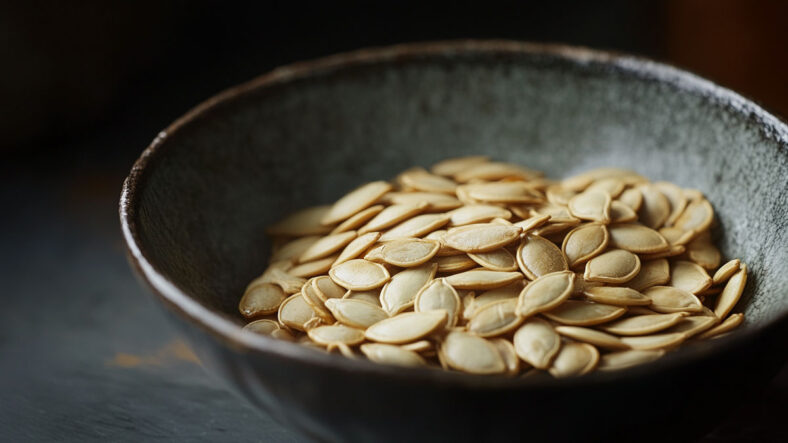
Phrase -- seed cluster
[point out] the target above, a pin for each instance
(490, 268)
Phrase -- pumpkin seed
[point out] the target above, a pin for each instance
(407, 327)
(371, 296)
(612, 186)
(626, 359)
(632, 198)
(545, 293)
(537, 343)
(675, 236)
(584, 242)
(416, 226)
(391, 355)
(418, 346)
(508, 355)
(583, 313)
(643, 324)
(613, 266)
(294, 312)
(313, 268)
(481, 237)
(276, 274)
(456, 165)
(697, 216)
(497, 260)
(502, 192)
(399, 293)
(336, 334)
(472, 214)
(261, 299)
(689, 277)
(637, 238)
(621, 213)
(668, 299)
(327, 246)
(356, 247)
(537, 256)
(455, 263)
(581, 284)
(673, 251)
(293, 249)
(359, 275)
(732, 292)
(421, 180)
(701, 251)
(617, 296)
(553, 228)
(558, 214)
(392, 215)
(472, 304)
(676, 200)
(436, 202)
(472, 354)
(726, 271)
(439, 295)
(574, 359)
(693, 325)
(314, 301)
(652, 273)
(655, 209)
(264, 326)
(653, 342)
(355, 313)
(304, 222)
(494, 171)
(559, 195)
(729, 324)
(357, 220)
(592, 336)
(409, 252)
(533, 222)
(482, 279)
(495, 318)
(591, 205)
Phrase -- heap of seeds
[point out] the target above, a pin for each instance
(489, 268)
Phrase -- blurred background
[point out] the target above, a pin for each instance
(85, 86)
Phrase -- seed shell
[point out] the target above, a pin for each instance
(583, 313)
(584, 242)
(536, 343)
(481, 237)
(643, 324)
(391, 355)
(538, 256)
(400, 292)
(613, 266)
(355, 313)
(469, 353)
(407, 327)
(732, 292)
(574, 359)
(359, 275)
(355, 201)
(545, 293)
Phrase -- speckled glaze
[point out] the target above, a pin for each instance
(194, 207)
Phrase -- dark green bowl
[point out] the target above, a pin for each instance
(194, 207)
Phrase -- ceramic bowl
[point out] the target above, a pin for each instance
(194, 208)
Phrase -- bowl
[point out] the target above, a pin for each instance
(195, 204)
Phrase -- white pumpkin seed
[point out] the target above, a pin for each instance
(697, 216)
(626, 359)
(313, 268)
(655, 209)
(399, 293)
(617, 296)
(409, 252)
(438, 294)
(693, 325)
(726, 271)
(621, 213)
(357, 220)
(701, 251)
(503, 192)
(497, 260)
(407, 327)
(732, 292)
(264, 326)
(355, 201)
(613, 266)
(359, 275)
(327, 246)
(537, 343)
(652, 273)
(294, 313)
(419, 346)
(583, 313)
(356, 247)
(453, 166)
(676, 200)
(592, 336)
(391, 355)
(675, 236)
(482, 279)
(532, 222)
(591, 205)
(472, 304)
(416, 226)
(421, 180)
(481, 237)
(304, 222)
(494, 171)
(559, 195)
(472, 354)
(545, 293)
(455, 263)
(668, 299)
(371, 296)
(643, 324)
(436, 202)
(632, 198)
(584, 242)
(689, 277)
(392, 215)
(729, 324)
(355, 313)
(495, 319)
(471, 214)
(537, 256)
(336, 334)
(637, 238)
(656, 341)
(314, 301)
(261, 299)
(510, 359)
(574, 359)
(293, 249)
(611, 185)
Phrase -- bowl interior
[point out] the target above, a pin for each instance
(308, 137)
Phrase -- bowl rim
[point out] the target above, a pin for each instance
(221, 327)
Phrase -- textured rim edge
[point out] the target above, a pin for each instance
(224, 329)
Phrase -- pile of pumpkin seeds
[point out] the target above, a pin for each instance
(489, 268)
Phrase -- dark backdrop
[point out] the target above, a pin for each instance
(85, 86)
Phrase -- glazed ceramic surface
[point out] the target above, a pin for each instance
(195, 206)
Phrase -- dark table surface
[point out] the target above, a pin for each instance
(86, 355)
